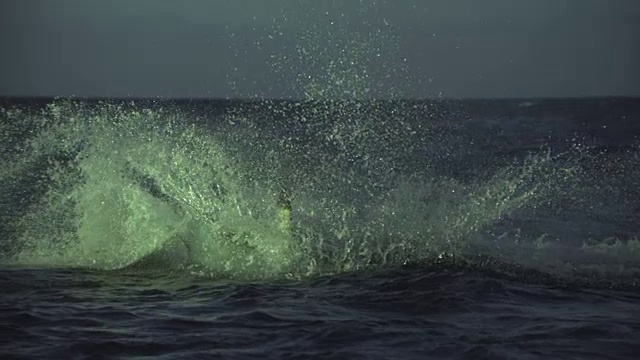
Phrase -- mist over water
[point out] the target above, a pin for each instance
(115, 186)
(153, 186)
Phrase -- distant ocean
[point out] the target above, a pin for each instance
(458, 229)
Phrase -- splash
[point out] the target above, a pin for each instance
(117, 186)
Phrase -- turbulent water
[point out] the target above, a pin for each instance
(444, 229)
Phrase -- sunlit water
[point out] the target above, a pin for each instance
(443, 229)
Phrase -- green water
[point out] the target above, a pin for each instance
(124, 186)
(117, 185)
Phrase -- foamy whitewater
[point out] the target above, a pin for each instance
(117, 184)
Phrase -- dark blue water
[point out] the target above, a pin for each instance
(413, 312)
(449, 229)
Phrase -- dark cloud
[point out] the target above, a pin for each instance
(226, 48)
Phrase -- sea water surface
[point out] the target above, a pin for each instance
(417, 229)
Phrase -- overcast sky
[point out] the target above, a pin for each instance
(283, 48)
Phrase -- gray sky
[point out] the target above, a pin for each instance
(282, 48)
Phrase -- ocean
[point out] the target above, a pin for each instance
(320, 229)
